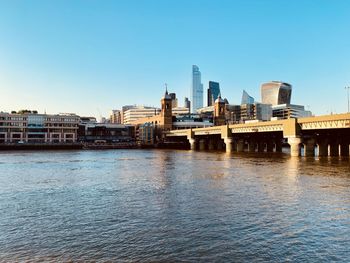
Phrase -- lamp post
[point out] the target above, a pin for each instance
(348, 88)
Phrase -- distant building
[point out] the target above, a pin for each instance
(287, 111)
(134, 113)
(256, 111)
(213, 92)
(190, 121)
(163, 120)
(246, 99)
(233, 114)
(276, 93)
(146, 134)
(85, 120)
(180, 111)
(187, 103)
(197, 89)
(173, 100)
(105, 132)
(116, 117)
(31, 127)
(219, 112)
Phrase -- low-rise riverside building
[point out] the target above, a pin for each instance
(31, 127)
(90, 132)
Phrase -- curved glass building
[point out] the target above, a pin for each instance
(276, 92)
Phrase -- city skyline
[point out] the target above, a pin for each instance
(81, 57)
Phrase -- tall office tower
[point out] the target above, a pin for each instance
(213, 92)
(173, 100)
(246, 99)
(197, 89)
(187, 103)
(276, 92)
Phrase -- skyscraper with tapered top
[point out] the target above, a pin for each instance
(197, 89)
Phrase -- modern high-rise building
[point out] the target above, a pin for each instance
(276, 92)
(197, 89)
(187, 103)
(173, 100)
(213, 92)
(246, 99)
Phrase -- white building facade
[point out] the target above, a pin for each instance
(138, 112)
(38, 128)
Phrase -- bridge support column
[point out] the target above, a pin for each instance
(278, 146)
(344, 149)
(251, 145)
(294, 143)
(192, 143)
(322, 149)
(211, 145)
(240, 145)
(261, 147)
(220, 145)
(334, 149)
(228, 143)
(269, 146)
(202, 144)
(309, 149)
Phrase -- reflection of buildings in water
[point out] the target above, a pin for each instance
(162, 169)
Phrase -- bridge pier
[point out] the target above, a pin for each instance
(294, 143)
(269, 146)
(344, 149)
(192, 143)
(251, 145)
(278, 146)
(240, 145)
(202, 144)
(322, 149)
(228, 143)
(334, 149)
(220, 145)
(261, 146)
(309, 148)
(211, 145)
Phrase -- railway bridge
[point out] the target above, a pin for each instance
(327, 135)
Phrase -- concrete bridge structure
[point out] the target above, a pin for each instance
(327, 135)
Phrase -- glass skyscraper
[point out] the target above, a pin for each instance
(197, 90)
(276, 93)
(213, 92)
(246, 99)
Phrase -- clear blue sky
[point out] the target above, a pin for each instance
(90, 56)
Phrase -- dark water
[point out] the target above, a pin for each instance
(133, 205)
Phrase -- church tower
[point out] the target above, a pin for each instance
(166, 111)
(219, 112)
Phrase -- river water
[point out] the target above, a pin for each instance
(171, 206)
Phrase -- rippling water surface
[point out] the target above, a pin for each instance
(135, 205)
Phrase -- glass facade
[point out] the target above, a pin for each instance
(246, 99)
(276, 93)
(213, 92)
(197, 89)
